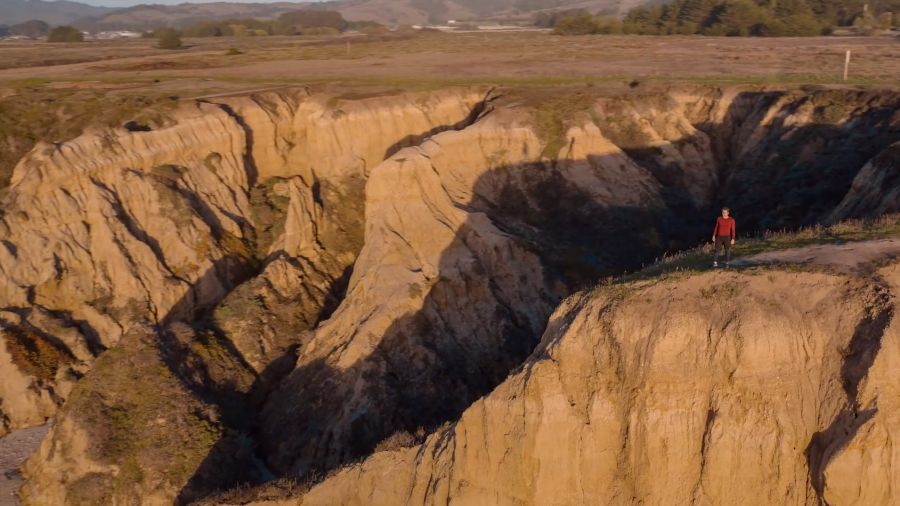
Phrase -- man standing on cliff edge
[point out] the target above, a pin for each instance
(723, 236)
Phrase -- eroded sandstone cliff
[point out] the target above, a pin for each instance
(349, 268)
(763, 387)
(119, 228)
(475, 236)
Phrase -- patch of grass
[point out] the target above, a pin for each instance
(175, 205)
(89, 490)
(168, 172)
(400, 439)
(37, 111)
(269, 203)
(554, 113)
(700, 258)
(139, 417)
(275, 490)
(234, 245)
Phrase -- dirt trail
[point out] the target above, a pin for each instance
(14, 449)
(846, 257)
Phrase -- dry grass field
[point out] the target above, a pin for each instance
(52, 91)
(464, 57)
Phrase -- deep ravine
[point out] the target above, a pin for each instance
(308, 275)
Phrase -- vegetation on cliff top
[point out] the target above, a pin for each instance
(699, 258)
(35, 112)
(139, 416)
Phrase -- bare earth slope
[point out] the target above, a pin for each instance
(847, 257)
(756, 387)
(286, 279)
(159, 227)
(470, 245)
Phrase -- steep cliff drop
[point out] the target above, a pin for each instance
(474, 237)
(762, 387)
(276, 255)
(134, 234)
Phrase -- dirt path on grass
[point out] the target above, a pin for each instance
(14, 449)
(845, 257)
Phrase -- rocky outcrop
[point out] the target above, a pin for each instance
(461, 264)
(111, 229)
(474, 237)
(133, 432)
(316, 156)
(779, 159)
(765, 387)
(119, 228)
(346, 283)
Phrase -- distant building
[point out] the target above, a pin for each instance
(119, 34)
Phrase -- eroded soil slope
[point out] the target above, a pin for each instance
(308, 275)
(471, 243)
(761, 387)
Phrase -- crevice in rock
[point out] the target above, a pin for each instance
(858, 359)
(135, 229)
(481, 109)
(249, 161)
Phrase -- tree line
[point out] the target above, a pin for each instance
(766, 18)
(299, 22)
(37, 28)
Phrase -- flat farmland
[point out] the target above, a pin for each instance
(442, 58)
(51, 92)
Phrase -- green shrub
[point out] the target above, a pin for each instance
(65, 34)
(168, 38)
(579, 24)
(607, 25)
(767, 18)
(299, 21)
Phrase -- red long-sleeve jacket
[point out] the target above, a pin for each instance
(724, 227)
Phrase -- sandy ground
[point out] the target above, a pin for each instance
(845, 257)
(14, 449)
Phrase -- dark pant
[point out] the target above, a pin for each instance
(723, 241)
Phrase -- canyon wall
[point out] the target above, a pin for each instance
(762, 387)
(313, 274)
(119, 229)
(461, 267)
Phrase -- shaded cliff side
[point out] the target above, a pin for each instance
(315, 274)
(474, 237)
(766, 386)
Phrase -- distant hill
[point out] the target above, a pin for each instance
(436, 11)
(54, 13)
(152, 16)
(389, 12)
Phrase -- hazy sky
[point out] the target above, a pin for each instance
(127, 3)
